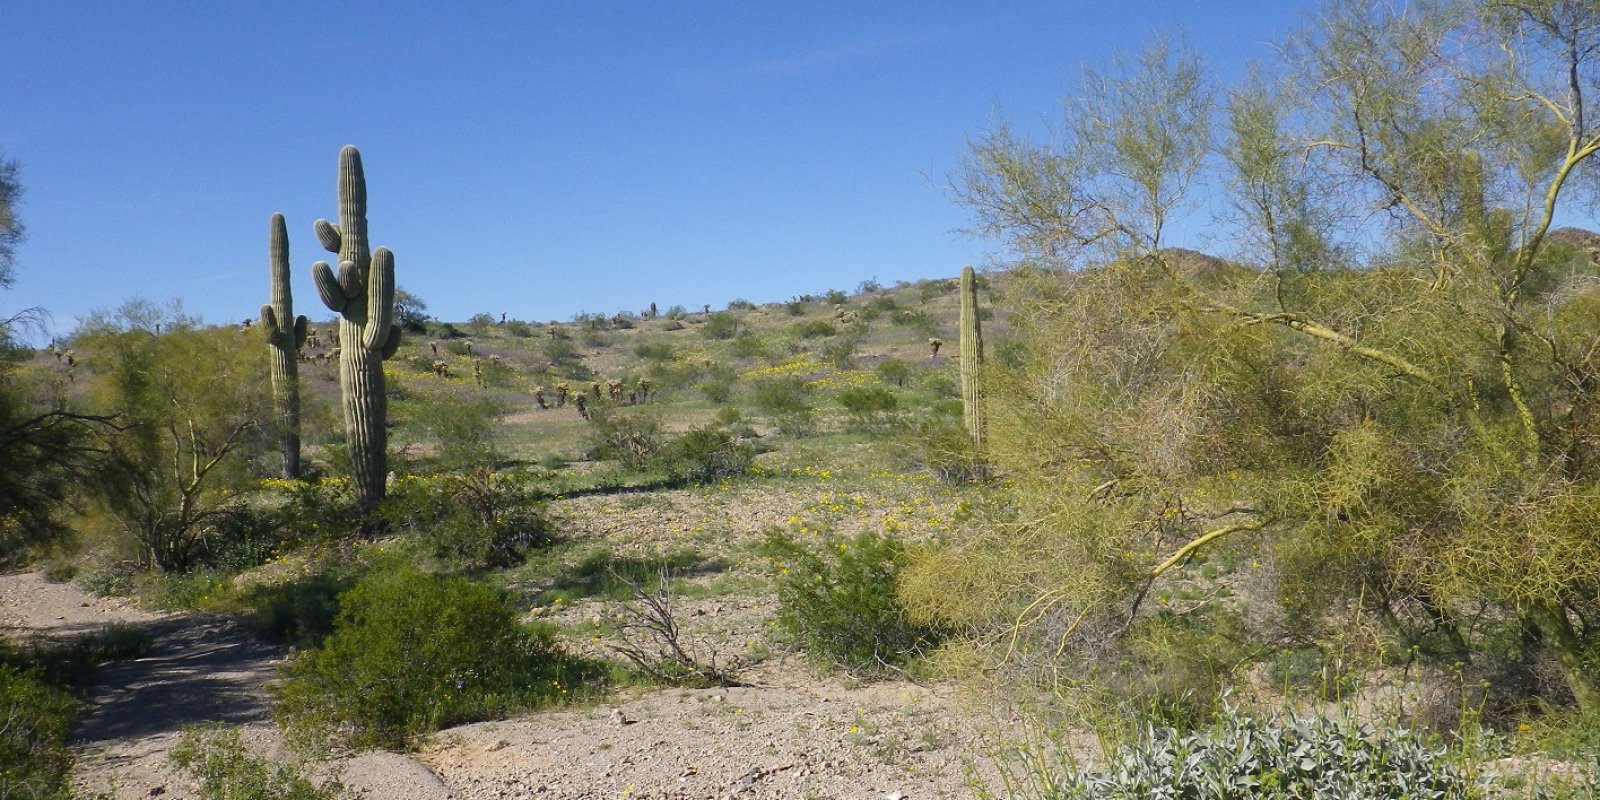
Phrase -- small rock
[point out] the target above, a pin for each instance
(894, 796)
(498, 744)
(156, 792)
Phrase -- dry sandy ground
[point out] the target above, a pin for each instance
(788, 734)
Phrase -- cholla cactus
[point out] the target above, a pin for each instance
(286, 334)
(971, 356)
(934, 344)
(363, 295)
(562, 390)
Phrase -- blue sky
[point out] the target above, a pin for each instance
(536, 158)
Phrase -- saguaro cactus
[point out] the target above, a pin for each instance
(971, 356)
(286, 334)
(363, 296)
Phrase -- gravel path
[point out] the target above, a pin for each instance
(788, 734)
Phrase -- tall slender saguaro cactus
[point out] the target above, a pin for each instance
(971, 356)
(286, 334)
(363, 296)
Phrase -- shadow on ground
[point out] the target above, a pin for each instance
(198, 671)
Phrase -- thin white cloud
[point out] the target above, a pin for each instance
(819, 60)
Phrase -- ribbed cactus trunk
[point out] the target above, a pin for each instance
(363, 295)
(971, 356)
(286, 334)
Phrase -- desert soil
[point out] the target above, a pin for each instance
(789, 733)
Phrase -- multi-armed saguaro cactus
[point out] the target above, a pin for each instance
(363, 295)
(286, 334)
(971, 356)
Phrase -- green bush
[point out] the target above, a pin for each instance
(34, 759)
(633, 439)
(814, 329)
(836, 599)
(707, 454)
(717, 385)
(721, 325)
(787, 400)
(227, 771)
(478, 517)
(654, 351)
(1284, 757)
(411, 653)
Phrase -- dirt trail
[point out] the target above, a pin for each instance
(201, 669)
(789, 734)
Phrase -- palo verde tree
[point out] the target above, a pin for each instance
(50, 449)
(193, 406)
(1388, 388)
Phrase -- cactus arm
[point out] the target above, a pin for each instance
(391, 344)
(380, 300)
(328, 234)
(327, 286)
(269, 321)
(300, 330)
(350, 279)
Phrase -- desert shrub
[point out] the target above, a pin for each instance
(787, 401)
(814, 329)
(893, 371)
(481, 323)
(465, 425)
(841, 352)
(707, 454)
(519, 329)
(37, 716)
(834, 297)
(717, 385)
(677, 312)
(633, 439)
(749, 345)
(246, 536)
(871, 408)
(315, 510)
(225, 770)
(794, 308)
(300, 612)
(930, 290)
(479, 517)
(411, 653)
(560, 351)
(653, 351)
(443, 330)
(836, 600)
(740, 304)
(721, 325)
(945, 449)
(916, 319)
(1273, 758)
(735, 421)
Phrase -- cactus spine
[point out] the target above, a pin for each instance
(971, 356)
(363, 295)
(286, 334)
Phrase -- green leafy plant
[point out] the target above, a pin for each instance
(35, 762)
(478, 517)
(707, 454)
(226, 770)
(836, 600)
(411, 653)
(1280, 757)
